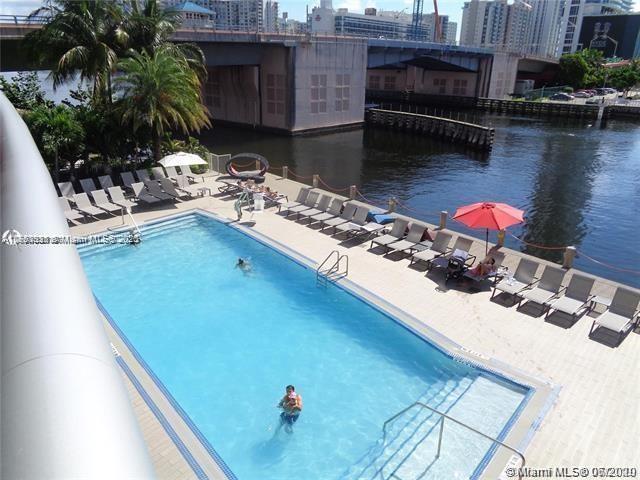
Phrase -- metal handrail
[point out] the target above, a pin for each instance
(335, 266)
(443, 416)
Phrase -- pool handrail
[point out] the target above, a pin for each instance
(65, 412)
(444, 416)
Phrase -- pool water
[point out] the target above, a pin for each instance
(225, 343)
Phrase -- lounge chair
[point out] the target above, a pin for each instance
(170, 189)
(523, 277)
(546, 289)
(397, 233)
(413, 238)
(142, 195)
(229, 187)
(498, 258)
(84, 205)
(102, 202)
(460, 250)
(66, 190)
(88, 185)
(345, 216)
(142, 175)
(322, 206)
(186, 170)
(575, 298)
(358, 224)
(158, 173)
(105, 181)
(303, 193)
(117, 197)
(127, 179)
(72, 215)
(333, 212)
(172, 173)
(185, 186)
(153, 187)
(439, 247)
(309, 203)
(621, 314)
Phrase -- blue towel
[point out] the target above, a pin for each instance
(381, 218)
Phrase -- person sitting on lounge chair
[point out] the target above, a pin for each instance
(485, 267)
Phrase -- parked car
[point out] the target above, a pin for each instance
(591, 91)
(611, 90)
(582, 95)
(565, 97)
(601, 91)
(594, 101)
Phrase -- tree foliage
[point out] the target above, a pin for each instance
(587, 68)
(24, 90)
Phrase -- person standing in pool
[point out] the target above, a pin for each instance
(291, 404)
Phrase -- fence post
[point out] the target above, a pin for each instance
(569, 255)
(285, 172)
(443, 219)
(352, 192)
(315, 180)
(501, 238)
(393, 203)
(258, 165)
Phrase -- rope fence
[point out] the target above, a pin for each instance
(424, 213)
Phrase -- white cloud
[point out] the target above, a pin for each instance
(351, 5)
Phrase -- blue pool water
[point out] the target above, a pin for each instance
(225, 343)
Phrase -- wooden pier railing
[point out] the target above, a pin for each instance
(469, 134)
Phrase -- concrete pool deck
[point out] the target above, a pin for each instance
(595, 420)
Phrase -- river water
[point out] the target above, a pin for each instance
(578, 182)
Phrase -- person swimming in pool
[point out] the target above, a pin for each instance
(291, 404)
(244, 265)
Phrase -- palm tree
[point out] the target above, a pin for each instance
(82, 36)
(150, 27)
(160, 92)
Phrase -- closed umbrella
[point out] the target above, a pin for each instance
(489, 215)
(181, 158)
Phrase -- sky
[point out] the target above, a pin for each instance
(297, 8)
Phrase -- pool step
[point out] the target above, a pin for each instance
(409, 436)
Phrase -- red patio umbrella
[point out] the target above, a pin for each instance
(489, 215)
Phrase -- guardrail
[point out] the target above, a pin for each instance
(65, 410)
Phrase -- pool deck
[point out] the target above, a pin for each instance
(594, 420)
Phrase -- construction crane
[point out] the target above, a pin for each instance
(418, 8)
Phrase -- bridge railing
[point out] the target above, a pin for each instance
(23, 19)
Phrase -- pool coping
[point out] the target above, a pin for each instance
(517, 432)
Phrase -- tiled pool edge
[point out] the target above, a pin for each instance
(538, 388)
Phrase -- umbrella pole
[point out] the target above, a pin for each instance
(486, 244)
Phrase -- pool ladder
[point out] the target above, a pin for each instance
(335, 271)
(444, 416)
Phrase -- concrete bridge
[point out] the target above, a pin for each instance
(297, 83)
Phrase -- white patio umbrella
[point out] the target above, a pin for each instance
(182, 158)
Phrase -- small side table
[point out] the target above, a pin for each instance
(203, 190)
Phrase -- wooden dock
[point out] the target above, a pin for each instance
(469, 134)
(552, 109)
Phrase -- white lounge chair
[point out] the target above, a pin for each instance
(71, 214)
(66, 190)
(117, 197)
(547, 287)
(88, 185)
(461, 249)
(322, 206)
(158, 173)
(575, 298)
(127, 179)
(523, 277)
(172, 173)
(186, 170)
(333, 212)
(354, 226)
(170, 189)
(84, 205)
(185, 186)
(142, 195)
(346, 216)
(105, 181)
(439, 247)
(303, 193)
(621, 315)
(142, 175)
(102, 202)
(398, 229)
(154, 190)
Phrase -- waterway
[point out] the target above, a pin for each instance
(578, 183)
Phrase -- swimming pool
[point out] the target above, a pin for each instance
(225, 343)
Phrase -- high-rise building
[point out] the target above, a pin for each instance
(484, 23)
(271, 23)
(570, 23)
(605, 7)
(543, 30)
(245, 15)
(452, 32)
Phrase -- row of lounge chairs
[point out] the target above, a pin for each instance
(547, 292)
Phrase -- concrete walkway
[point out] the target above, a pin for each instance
(596, 419)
